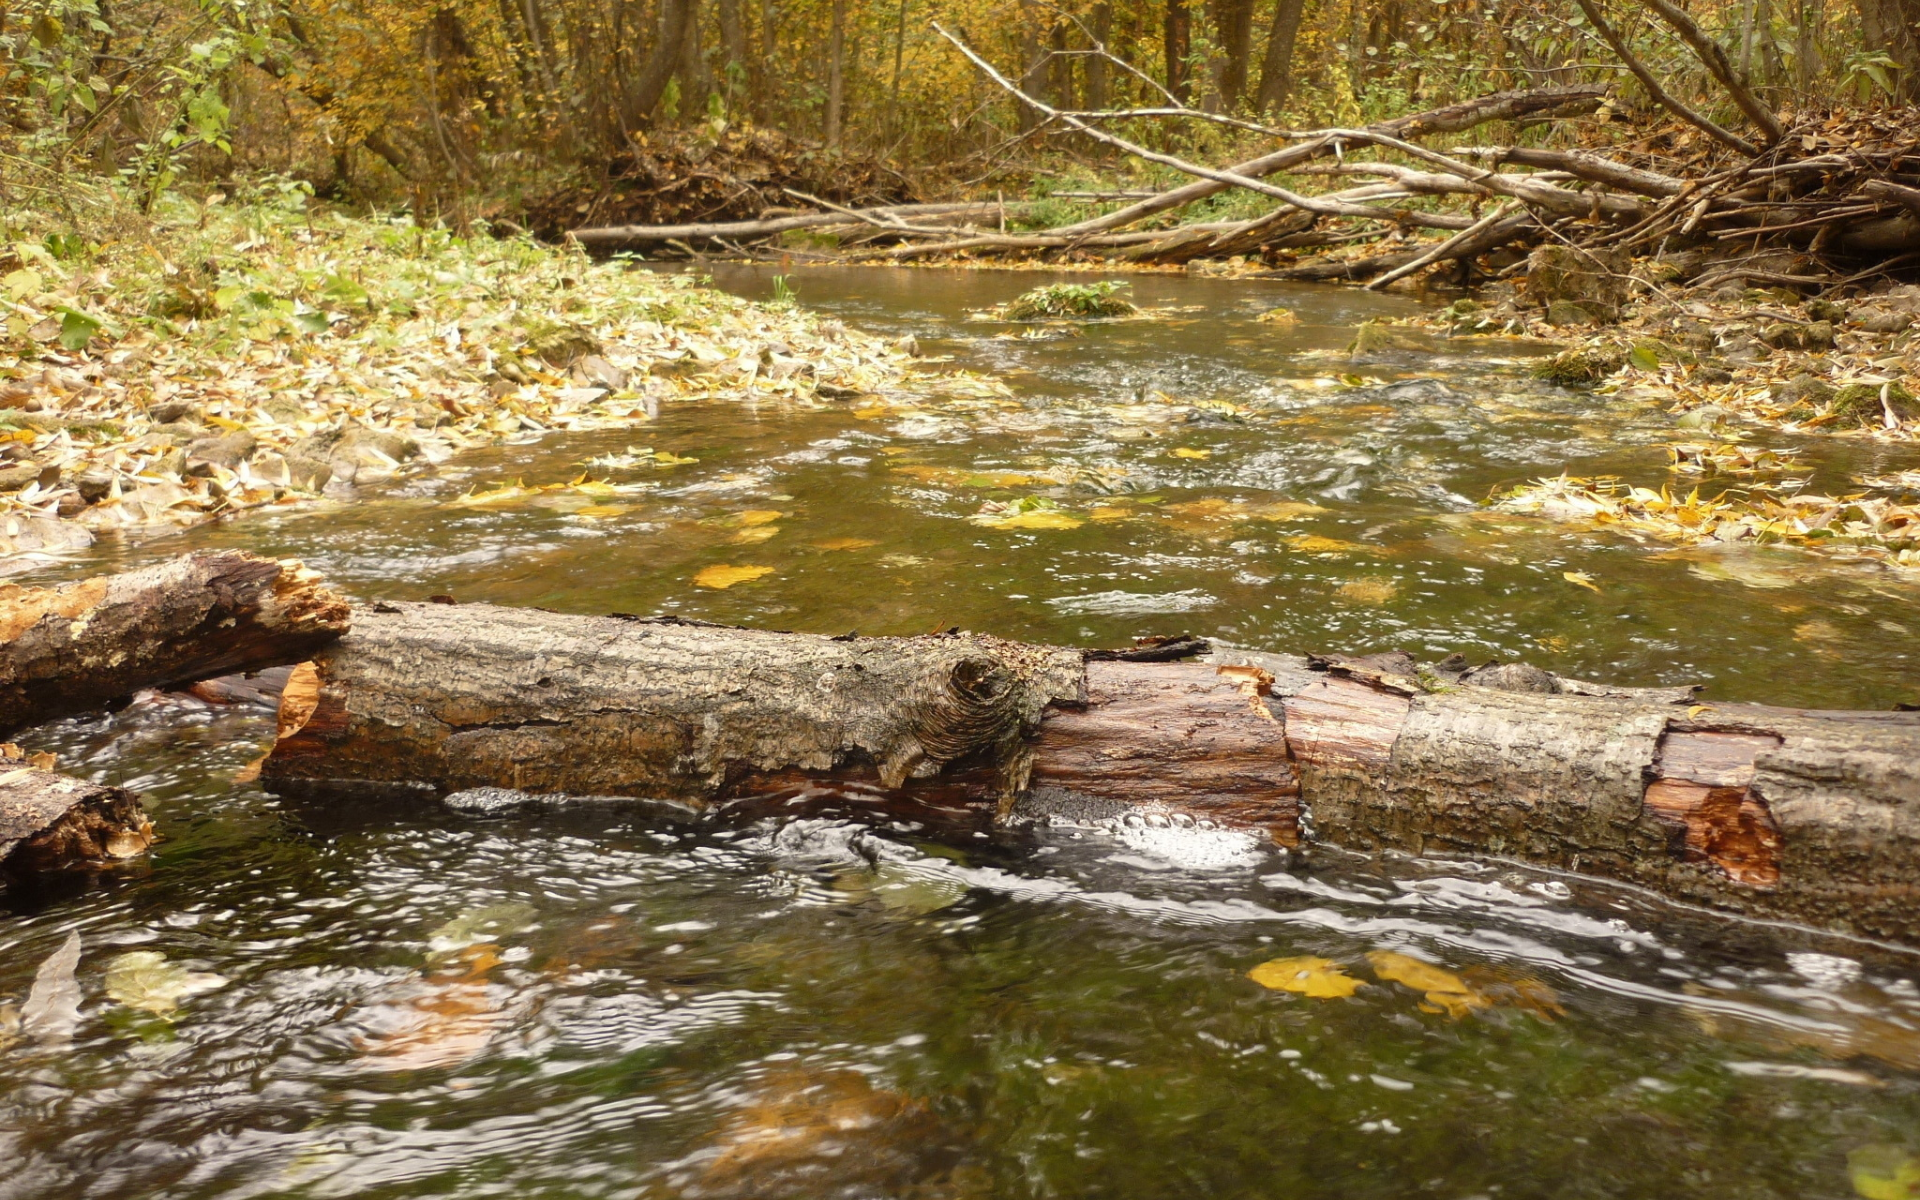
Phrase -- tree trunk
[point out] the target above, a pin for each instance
(1176, 42)
(1780, 813)
(1233, 30)
(83, 645)
(1276, 68)
(1098, 69)
(644, 93)
(1894, 26)
(50, 822)
(836, 71)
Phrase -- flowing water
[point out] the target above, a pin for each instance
(839, 1002)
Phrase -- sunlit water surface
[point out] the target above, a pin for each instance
(838, 1002)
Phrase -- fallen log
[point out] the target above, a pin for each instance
(83, 645)
(1780, 813)
(52, 822)
(614, 237)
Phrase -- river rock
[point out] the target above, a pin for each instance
(1802, 392)
(1796, 335)
(1377, 341)
(1884, 320)
(227, 451)
(1413, 391)
(1595, 281)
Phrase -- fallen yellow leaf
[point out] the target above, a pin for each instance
(602, 510)
(1313, 543)
(1445, 991)
(1580, 579)
(1190, 452)
(1368, 591)
(722, 576)
(846, 543)
(1307, 975)
(755, 535)
(759, 516)
(1039, 518)
(668, 458)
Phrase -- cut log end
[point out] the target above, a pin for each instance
(53, 822)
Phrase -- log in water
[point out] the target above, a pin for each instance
(82, 645)
(52, 822)
(1803, 815)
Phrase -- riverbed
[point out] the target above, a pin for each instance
(833, 1001)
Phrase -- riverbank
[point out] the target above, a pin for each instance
(236, 356)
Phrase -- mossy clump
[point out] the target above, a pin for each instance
(1068, 300)
(1377, 340)
(1582, 366)
(1802, 397)
(1867, 404)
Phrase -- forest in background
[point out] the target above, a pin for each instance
(477, 107)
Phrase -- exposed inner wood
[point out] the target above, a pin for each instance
(1204, 726)
(50, 821)
(1705, 794)
(1343, 723)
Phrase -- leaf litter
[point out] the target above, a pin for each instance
(254, 355)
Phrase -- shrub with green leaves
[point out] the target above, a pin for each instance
(1067, 300)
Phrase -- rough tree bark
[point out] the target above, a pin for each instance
(83, 645)
(50, 822)
(1276, 67)
(1810, 816)
(644, 93)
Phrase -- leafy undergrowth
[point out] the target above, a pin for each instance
(1066, 301)
(1861, 527)
(242, 355)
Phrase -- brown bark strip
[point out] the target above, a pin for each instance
(82, 645)
(50, 822)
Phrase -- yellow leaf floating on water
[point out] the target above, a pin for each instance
(1190, 452)
(1445, 991)
(144, 979)
(1039, 518)
(1884, 1172)
(1580, 579)
(1307, 975)
(597, 511)
(1368, 591)
(754, 535)
(758, 516)
(847, 543)
(668, 458)
(721, 576)
(1313, 543)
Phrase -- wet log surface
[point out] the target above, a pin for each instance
(83, 645)
(52, 822)
(1779, 813)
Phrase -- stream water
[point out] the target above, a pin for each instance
(606, 1002)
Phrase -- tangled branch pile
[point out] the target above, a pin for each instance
(1807, 201)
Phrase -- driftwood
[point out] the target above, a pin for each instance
(915, 225)
(1808, 816)
(81, 646)
(617, 237)
(51, 822)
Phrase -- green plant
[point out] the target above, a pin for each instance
(783, 292)
(1056, 300)
(1870, 72)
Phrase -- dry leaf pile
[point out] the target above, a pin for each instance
(1861, 527)
(263, 354)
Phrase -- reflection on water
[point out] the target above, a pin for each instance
(837, 1002)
